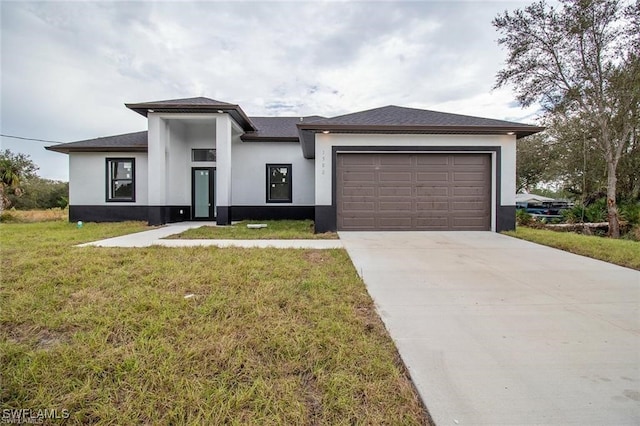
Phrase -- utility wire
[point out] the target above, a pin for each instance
(29, 139)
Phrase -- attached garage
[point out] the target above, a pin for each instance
(413, 191)
(395, 168)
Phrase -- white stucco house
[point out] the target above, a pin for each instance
(388, 168)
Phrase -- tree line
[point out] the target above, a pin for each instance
(21, 188)
(565, 159)
(580, 62)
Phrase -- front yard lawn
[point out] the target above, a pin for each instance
(621, 252)
(275, 230)
(191, 335)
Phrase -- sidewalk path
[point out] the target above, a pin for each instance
(154, 237)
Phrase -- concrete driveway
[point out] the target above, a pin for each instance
(499, 331)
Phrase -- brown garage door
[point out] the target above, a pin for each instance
(431, 192)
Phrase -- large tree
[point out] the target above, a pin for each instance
(536, 163)
(581, 63)
(14, 168)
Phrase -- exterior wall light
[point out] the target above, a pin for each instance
(511, 133)
(326, 132)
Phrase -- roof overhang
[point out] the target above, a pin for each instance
(248, 137)
(67, 150)
(308, 131)
(233, 110)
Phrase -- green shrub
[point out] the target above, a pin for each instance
(630, 213)
(597, 211)
(8, 216)
(572, 215)
(594, 212)
(523, 218)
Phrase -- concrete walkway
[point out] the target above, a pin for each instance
(154, 237)
(499, 331)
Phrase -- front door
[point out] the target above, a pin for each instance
(202, 193)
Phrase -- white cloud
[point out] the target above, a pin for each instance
(68, 67)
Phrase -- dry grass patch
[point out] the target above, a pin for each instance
(29, 216)
(620, 252)
(275, 230)
(269, 336)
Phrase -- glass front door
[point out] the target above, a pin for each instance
(203, 196)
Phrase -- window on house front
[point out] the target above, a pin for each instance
(121, 183)
(203, 155)
(279, 183)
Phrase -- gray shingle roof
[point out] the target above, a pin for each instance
(389, 119)
(128, 142)
(277, 127)
(400, 116)
(198, 101)
(394, 120)
(194, 105)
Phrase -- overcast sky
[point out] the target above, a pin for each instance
(68, 67)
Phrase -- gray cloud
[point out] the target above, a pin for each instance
(68, 67)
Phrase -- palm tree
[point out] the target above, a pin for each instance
(9, 178)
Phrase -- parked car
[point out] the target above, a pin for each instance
(541, 207)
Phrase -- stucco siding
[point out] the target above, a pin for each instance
(249, 172)
(88, 174)
(177, 173)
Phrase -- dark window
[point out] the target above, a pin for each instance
(121, 182)
(203, 155)
(279, 183)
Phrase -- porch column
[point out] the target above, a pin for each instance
(223, 169)
(157, 169)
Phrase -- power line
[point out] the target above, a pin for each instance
(29, 139)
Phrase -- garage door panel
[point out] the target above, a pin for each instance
(469, 191)
(394, 177)
(470, 160)
(432, 160)
(413, 191)
(359, 160)
(432, 177)
(467, 205)
(468, 177)
(394, 160)
(433, 191)
(358, 206)
(359, 191)
(398, 206)
(394, 222)
(355, 176)
(391, 191)
(428, 205)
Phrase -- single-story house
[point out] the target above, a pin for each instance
(389, 168)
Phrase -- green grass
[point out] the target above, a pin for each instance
(269, 337)
(621, 252)
(275, 230)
